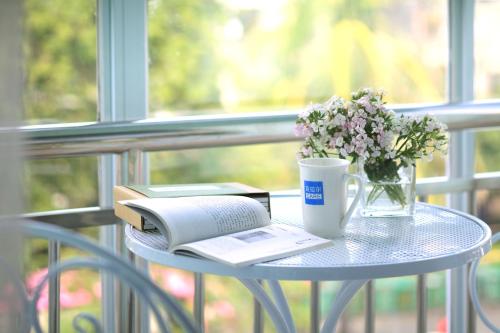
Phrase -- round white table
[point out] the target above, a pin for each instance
(434, 239)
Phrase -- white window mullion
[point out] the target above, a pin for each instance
(461, 89)
(461, 155)
(122, 80)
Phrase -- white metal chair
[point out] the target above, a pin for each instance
(159, 303)
(473, 291)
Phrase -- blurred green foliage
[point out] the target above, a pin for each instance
(223, 56)
(60, 61)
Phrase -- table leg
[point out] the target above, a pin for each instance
(272, 309)
(282, 304)
(346, 292)
(258, 315)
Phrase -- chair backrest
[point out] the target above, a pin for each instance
(157, 301)
(473, 291)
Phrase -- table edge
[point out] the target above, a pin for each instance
(282, 272)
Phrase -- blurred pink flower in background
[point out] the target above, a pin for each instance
(177, 283)
(68, 299)
(96, 289)
(220, 309)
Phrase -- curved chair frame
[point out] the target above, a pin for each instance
(103, 260)
(473, 291)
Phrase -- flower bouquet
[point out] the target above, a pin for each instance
(382, 143)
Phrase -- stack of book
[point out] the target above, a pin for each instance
(130, 192)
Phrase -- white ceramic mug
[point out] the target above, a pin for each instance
(323, 183)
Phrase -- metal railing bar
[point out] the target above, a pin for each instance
(77, 217)
(96, 216)
(258, 315)
(208, 131)
(168, 140)
(54, 248)
(141, 313)
(439, 185)
(421, 303)
(199, 301)
(457, 116)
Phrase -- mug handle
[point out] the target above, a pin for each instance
(355, 201)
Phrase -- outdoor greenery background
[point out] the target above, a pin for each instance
(222, 56)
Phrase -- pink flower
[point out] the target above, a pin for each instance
(302, 130)
(307, 151)
(367, 105)
(360, 150)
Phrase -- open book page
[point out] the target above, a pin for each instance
(257, 245)
(189, 219)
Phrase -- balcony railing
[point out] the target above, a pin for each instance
(129, 140)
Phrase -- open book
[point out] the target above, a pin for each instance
(231, 229)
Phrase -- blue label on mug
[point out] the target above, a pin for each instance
(313, 193)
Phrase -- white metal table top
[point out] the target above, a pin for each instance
(434, 239)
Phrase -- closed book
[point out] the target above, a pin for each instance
(131, 192)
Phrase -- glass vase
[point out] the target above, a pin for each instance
(389, 194)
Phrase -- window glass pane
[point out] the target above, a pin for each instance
(488, 207)
(269, 166)
(486, 50)
(232, 56)
(61, 183)
(434, 168)
(487, 151)
(60, 61)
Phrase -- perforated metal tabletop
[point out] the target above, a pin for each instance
(434, 239)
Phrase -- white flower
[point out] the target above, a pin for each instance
(323, 131)
(339, 142)
(306, 112)
(334, 103)
(339, 120)
(370, 143)
(349, 148)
